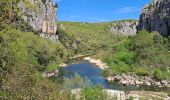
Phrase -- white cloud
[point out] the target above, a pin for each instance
(57, 0)
(127, 10)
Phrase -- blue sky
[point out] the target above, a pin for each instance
(99, 10)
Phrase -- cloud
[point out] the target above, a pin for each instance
(57, 0)
(125, 10)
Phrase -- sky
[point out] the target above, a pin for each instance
(98, 10)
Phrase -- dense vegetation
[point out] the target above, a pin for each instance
(24, 56)
(146, 54)
(86, 38)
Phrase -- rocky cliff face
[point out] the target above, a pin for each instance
(156, 17)
(41, 17)
(127, 27)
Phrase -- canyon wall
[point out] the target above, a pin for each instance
(156, 17)
(41, 16)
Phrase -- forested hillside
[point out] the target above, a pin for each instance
(90, 38)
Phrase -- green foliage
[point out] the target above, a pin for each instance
(85, 38)
(168, 94)
(95, 93)
(161, 74)
(23, 57)
(142, 40)
(158, 74)
(51, 67)
(130, 98)
(142, 71)
(76, 82)
(120, 59)
(147, 50)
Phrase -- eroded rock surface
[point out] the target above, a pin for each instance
(156, 17)
(127, 27)
(41, 16)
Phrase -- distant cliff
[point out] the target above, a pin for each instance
(156, 17)
(41, 17)
(124, 27)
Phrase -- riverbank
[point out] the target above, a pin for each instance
(135, 95)
(97, 62)
(137, 80)
(119, 95)
(125, 79)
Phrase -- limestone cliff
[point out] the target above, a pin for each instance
(125, 27)
(41, 17)
(156, 17)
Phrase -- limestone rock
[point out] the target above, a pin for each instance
(127, 27)
(156, 17)
(41, 17)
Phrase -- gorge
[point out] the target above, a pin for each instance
(42, 58)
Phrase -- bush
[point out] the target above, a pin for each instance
(76, 82)
(142, 71)
(92, 93)
(161, 74)
(142, 40)
(158, 74)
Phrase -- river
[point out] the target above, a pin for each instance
(94, 73)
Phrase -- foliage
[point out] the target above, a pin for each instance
(145, 54)
(92, 93)
(95, 93)
(76, 82)
(24, 56)
(142, 71)
(161, 74)
(85, 38)
(130, 98)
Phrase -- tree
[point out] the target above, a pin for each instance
(142, 40)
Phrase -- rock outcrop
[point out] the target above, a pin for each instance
(125, 27)
(41, 17)
(156, 17)
(137, 81)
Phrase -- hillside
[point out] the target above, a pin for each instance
(93, 37)
(85, 37)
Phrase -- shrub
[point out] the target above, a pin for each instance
(76, 82)
(158, 74)
(142, 71)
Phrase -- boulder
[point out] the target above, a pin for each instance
(164, 82)
(137, 82)
(147, 83)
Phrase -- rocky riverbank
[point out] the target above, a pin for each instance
(50, 74)
(121, 95)
(137, 81)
